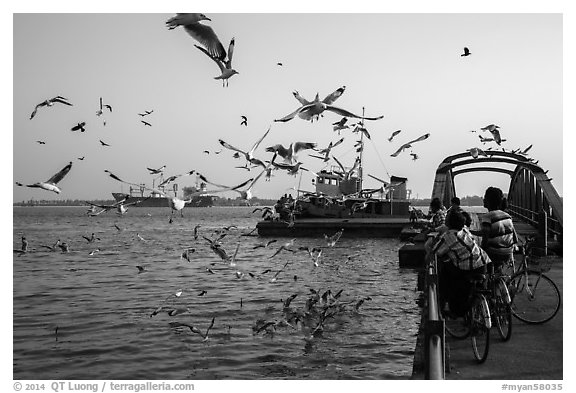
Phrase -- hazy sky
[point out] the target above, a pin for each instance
(405, 66)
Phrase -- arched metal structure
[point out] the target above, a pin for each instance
(531, 196)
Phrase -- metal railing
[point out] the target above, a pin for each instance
(434, 339)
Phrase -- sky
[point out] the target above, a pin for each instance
(404, 66)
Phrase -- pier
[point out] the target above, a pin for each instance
(534, 351)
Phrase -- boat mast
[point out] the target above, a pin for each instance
(360, 170)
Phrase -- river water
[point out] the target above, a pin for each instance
(81, 316)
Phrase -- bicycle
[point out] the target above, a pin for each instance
(477, 321)
(535, 297)
(500, 304)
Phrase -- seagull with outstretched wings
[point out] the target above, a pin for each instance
(249, 155)
(313, 110)
(50, 102)
(202, 33)
(409, 144)
(50, 184)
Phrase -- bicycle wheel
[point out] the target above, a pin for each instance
(457, 327)
(502, 310)
(480, 328)
(535, 297)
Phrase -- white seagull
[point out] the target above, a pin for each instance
(290, 154)
(250, 154)
(202, 33)
(50, 184)
(409, 144)
(50, 102)
(475, 152)
(313, 110)
(226, 70)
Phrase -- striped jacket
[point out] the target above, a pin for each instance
(500, 233)
(461, 249)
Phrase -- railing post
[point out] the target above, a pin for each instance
(543, 230)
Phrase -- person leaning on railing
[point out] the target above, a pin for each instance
(436, 214)
(458, 256)
(497, 229)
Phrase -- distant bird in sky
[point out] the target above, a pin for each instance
(414, 156)
(327, 150)
(485, 140)
(313, 110)
(290, 154)
(108, 107)
(146, 113)
(393, 135)
(156, 171)
(466, 52)
(50, 102)
(200, 32)
(41, 142)
(244, 121)
(146, 123)
(103, 143)
(226, 70)
(409, 144)
(79, 126)
(50, 184)
(81, 158)
(249, 155)
(340, 125)
(100, 111)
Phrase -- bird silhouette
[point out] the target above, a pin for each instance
(79, 126)
(50, 102)
(200, 32)
(466, 52)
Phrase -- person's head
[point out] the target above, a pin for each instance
(455, 201)
(455, 220)
(435, 205)
(494, 199)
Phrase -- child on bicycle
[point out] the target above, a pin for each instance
(459, 256)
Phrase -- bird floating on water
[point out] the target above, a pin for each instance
(50, 184)
(50, 102)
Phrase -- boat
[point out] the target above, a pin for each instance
(340, 202)
(156, 199)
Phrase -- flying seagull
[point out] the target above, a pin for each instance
(50, 102)
(103, 143)
(156, 171)
(313, 110)
(50, 184)
(146, 123)
(290, 154)
(409, 144)
(146, 113)
(79, 126)
(226, 70)
(466, 52)
(244, 121)
(41, 142)
(202, 33)
(393, 135)
(340, 125)
(250, 154)
(194, 329)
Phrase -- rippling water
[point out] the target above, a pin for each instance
(78, 316)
